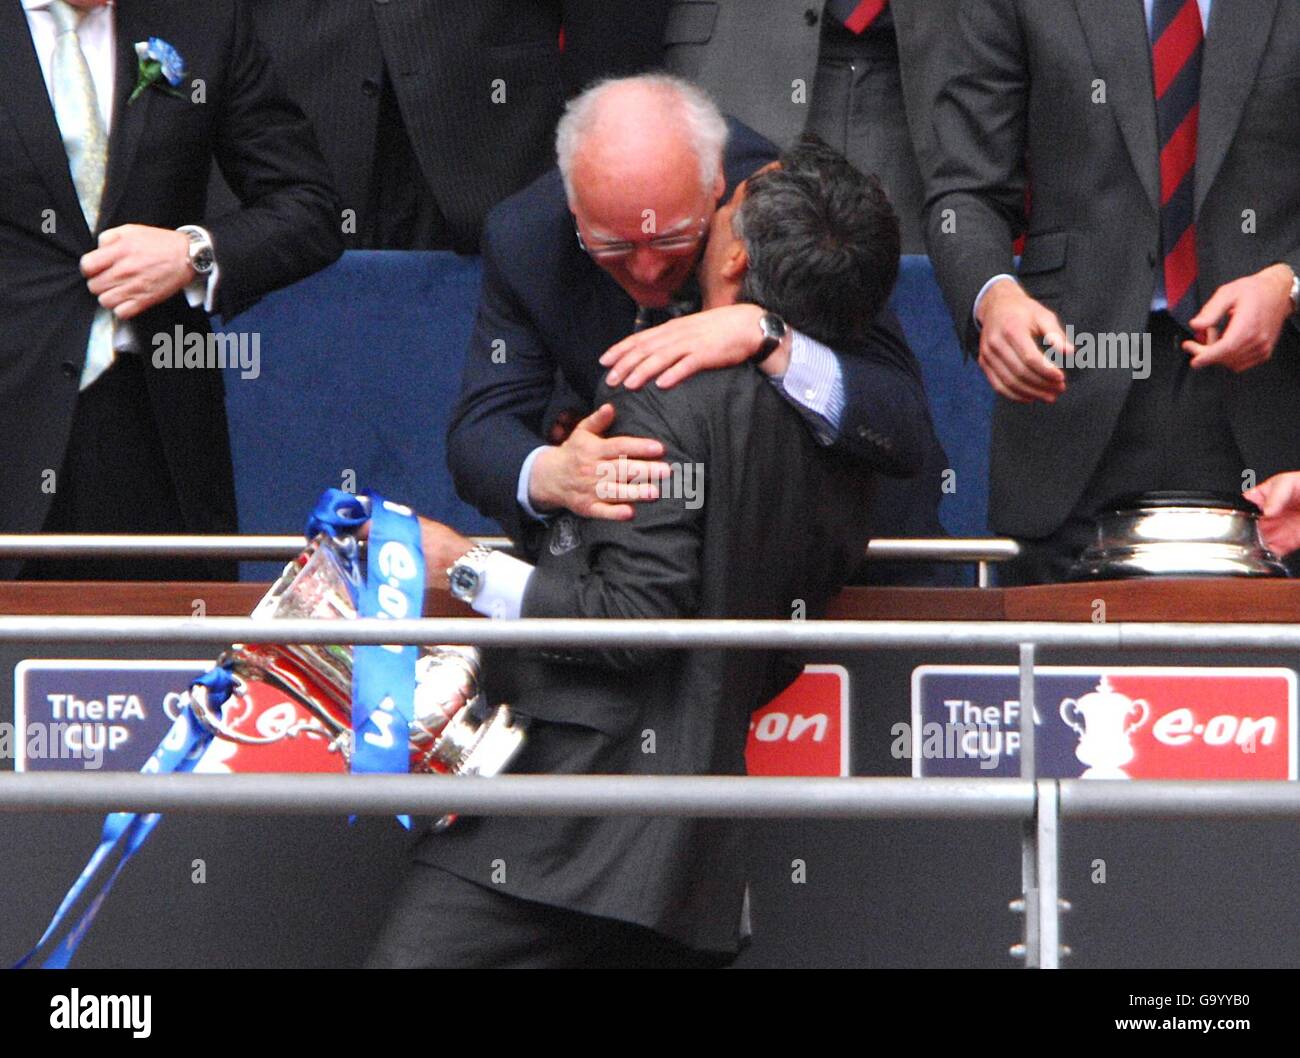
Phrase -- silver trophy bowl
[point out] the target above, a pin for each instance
(1177, 534)
(453, 730)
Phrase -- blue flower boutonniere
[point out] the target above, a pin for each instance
(161, 65)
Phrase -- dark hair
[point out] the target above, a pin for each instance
(822, 241)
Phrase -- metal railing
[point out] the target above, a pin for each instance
(249, 548)
(1039, 804)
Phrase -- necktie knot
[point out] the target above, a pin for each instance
(66, 17)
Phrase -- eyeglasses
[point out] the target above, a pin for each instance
(606, 251)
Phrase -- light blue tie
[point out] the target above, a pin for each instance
(76, 106)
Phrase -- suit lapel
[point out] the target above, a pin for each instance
(1121, 52)
(1236, 41)
(27, 100)
(128, 120)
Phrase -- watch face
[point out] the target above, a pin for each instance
(463, 582)
(202, 261)
(773, 326)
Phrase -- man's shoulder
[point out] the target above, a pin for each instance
(747, 152)
(533, 220)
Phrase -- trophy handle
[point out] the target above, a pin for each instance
(1071, 715)
(1143, 710)
(210, 717)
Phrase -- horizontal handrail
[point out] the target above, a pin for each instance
(654, 634)
(282, 548)
(736, 797)
(1180, 799)
(521, 795)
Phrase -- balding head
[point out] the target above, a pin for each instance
(649, 128)
(641, 159)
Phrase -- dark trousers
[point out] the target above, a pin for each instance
(442, 921)
(1173, 433)
(115, 479)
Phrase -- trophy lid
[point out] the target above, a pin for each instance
(1162, 499)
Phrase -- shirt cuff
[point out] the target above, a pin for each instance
(505, 579)
(975, 309)
(203, 290)
(814, 383)
(521, 490)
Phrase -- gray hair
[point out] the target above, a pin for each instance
(700, 116)
(822, 241)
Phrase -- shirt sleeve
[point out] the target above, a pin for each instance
(814, 383)
(525, 476)
(974, 312)
(505, 579)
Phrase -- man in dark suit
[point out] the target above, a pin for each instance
(606, 246)
(770, 527)
(1158, 140)
(432, 111)
(102, 433)
(852, 71)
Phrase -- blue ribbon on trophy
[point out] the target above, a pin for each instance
(179, 751)
(383, 690)
(383, 677)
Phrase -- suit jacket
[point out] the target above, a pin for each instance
(1023, 92)
(759, 61)
(778, 526)
(547, 307)
(160, 151)
(445, 58)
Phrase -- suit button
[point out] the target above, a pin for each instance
(810, 17)
(370, 86)
(69, 369)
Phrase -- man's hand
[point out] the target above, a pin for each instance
(441, 546)
(702, 341)
(1014, 328)
(1279, 499)
(1256, 307)
(588, 471)
(137, 267)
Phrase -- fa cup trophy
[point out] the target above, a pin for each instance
(452, 730)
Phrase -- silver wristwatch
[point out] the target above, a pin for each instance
(202, 257)
(465, 577)
(773, 330)
(1295, 292)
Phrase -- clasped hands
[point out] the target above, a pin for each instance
(1016, 330)
(137, 267)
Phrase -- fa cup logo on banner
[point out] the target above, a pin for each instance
(1104, 719)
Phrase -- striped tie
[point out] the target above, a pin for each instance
(76, 107)
(1177, 44)
(857, 15)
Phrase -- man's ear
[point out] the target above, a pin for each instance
(719, 183)
(736, 263)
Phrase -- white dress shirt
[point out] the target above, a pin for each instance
(97, 33)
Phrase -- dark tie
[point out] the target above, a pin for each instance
(857, 15)
(1177, 42)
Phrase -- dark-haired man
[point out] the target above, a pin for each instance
(775, 528)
